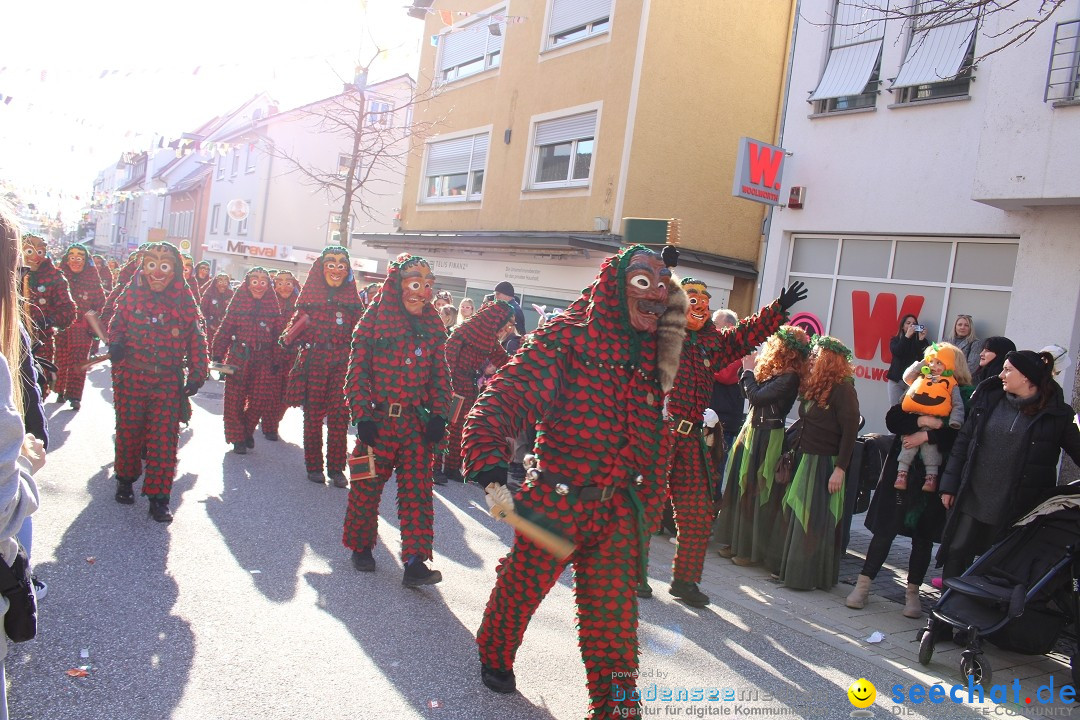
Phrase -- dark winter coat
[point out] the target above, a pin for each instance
(1054, 429)
(772, 400)
(905, 350)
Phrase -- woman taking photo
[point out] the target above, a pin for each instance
(770, 381)
(965, 339)
(911, 512)
(907, 347)
(829, 412)
(1005, 459)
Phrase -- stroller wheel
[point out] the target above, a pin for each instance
(926, 646)
(977, 666)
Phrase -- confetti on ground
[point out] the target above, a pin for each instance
(91, 559)
(77, 672)
(255, 572)
(84, 653)
(434, 704)
(876, 637)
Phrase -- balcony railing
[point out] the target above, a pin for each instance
(1063, 74)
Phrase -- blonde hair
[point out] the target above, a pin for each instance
(961, 371)
(11, 310)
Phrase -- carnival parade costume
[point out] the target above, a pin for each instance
(287, 289)
(332, 307)
(104, 274)
(73, 344)
(158, 354)
(473, 345)
(123, 277)
(245, 340)
(689, 481)
(215, 301)
(398, 388)
(48, 300)
(592, 382)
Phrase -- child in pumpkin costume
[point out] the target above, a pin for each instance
(158, 353)
(73, 344)
(398, 391)
(326, 313)
(936, 393)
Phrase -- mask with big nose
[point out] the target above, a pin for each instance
(258, 284)
(76, 260)
(697, 312)
(335, 268)
(34, 252)
(417, 285)
(158, 267)
(283, 285)
(646, 290)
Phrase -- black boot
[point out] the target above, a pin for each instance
(501, 681)
(439, 478)
(338, 479)
(688, 592)
(316, 476)
(75, 405)
(417, 573)
(124, 494)
(249, 441)
(362, 560)
(454, 475)
(644, 589)
(239, 448)
(159, 508)
(271, 436)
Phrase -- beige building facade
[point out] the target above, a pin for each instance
(556, 119)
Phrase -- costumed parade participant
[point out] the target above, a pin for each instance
(398, 391)
(73, 344)
(158, 353)
(469, 349)
(321, 328)
(104, 273)
(189, 277)
(123, 277)
(48, 300)
(592, 382)
(689, 482)
(215, 302)
(287, 289)
(245, 340)
(202, 275)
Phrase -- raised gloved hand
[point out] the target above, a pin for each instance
(117, 351)
(367, 431)
(710, 418)
(435, 430)
(793, 294)
(496, 494)
(192, 386)
(491, 476)
(670, 256)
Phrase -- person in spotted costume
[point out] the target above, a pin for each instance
(123, 277)
(287, 288)
(104, 274)
(326, 312)
(73, 344)
(472, 346)
(215, 301)
(591, 381)
(202, 275)
(48, 300)
(398, 391)
(158, 353)
(689, 483)
(245, 340)
(189, 277)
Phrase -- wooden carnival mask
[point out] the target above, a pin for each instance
(158, 267)
(189, 267)
(335, 268)
(698, 311)
(34, 251)
(646, 290)
(258, 283)
(417, 285)
(76, 260)
(284, 284)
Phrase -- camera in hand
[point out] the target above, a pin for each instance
(918, 328)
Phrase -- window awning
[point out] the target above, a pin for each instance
(936, 54)
(848, 70)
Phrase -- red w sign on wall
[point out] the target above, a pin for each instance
(875, 327)
(759, 172)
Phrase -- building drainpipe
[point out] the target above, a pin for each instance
(767, 227)
(266, 196)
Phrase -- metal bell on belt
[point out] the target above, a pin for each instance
(529, 461)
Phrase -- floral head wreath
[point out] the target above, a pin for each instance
(827, 342)
(792, 341)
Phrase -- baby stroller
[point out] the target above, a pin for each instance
(1021, 594)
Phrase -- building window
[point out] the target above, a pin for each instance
(228, 224)
(573, 20)
(172, 224)
(1063, 76)
(473, 47)
(455, 169)
(242, 225)
(215, 218)
(235, 162)
(379, 114)
(940, 56)
(563, 151)
(333, 230)
(221, 167)
(249, 166)
(852, 73)
(344, 161)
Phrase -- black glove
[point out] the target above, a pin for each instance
(495, 475)
(117, 351)
(435, 430)
(192, 387)
(793, 294)
(367, 431)
(670, 255)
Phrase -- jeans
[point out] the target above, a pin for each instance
(25, 536)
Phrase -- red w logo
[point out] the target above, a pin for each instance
(764, 162)
(878, 326)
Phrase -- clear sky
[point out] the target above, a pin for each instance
(90, 80)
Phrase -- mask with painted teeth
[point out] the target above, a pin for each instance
(646, 290)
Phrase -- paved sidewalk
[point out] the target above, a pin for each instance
(825, 617)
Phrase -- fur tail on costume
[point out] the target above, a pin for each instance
(670, 333)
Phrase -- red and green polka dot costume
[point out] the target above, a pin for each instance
(73, 344)
(165, 347)
(214, 304)
(49, 307)
(396, 358)
(123, 277)
(588, 382)
(317, 378)
(471, 346)
(246, 340)
(282, 364)
(689, 483)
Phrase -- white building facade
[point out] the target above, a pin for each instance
(930, 186)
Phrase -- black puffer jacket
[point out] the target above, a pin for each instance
(905, 350)
(772, 400)
(1054, 429)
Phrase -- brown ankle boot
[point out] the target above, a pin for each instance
(901, 480)
(912, 603)
(930, 484)
(858, 597)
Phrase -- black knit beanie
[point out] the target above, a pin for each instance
(1029, 364)
(999, 345)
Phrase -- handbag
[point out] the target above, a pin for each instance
(20, 621)
(785, 467)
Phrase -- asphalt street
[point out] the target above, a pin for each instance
(246, 606)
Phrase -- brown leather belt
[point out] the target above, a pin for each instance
(585, 493)
(685, 427)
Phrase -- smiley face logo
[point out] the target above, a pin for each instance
(862, 693)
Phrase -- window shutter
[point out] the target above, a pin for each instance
(566, 129)
(480, 150)
(936, 54)
(463, 46)
(848, 71)
(570, 14)
(451, 157)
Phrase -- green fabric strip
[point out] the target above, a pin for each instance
(767, 470)
(836, 499)
(800, 493)
(746, 441)
(643, 534)
(706, 462)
